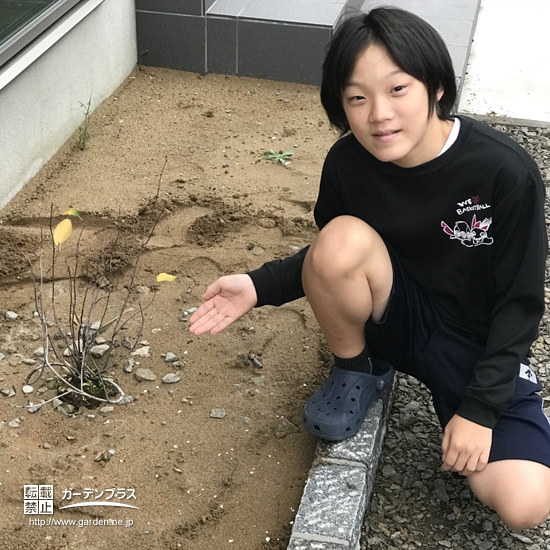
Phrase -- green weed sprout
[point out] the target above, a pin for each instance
(83, 133)
(281, 156)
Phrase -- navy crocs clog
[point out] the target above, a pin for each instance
(337, 409)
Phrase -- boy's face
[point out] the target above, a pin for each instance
(387, 110)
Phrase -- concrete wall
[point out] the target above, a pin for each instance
(40, 108)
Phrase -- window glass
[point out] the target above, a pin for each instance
(16, 14)
(21, 21)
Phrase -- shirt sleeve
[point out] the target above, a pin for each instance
(521, 246)
(279, 281)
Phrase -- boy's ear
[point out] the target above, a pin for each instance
(440, 93)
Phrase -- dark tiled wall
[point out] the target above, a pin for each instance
(171, 40)
(278, 39)
(246, 37)
(185, 7)
(292, 53)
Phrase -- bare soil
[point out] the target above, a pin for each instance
(176, 157)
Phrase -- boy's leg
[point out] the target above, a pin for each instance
(518, 491)
(347, 277)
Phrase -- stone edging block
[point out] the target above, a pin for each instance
(337, 493)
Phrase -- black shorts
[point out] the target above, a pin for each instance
(413, 338)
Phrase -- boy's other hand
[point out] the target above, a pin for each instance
(225, 301)
(466, 446)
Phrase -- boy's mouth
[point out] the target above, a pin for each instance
(385, 135)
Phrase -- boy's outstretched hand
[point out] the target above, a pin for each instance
(466, 446)
(225, 301)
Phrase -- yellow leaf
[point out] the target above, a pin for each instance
(165, 277)
(73, 212)
(62, 232)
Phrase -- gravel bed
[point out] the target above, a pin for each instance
(414, 504)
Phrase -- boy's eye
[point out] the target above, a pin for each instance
(399, 88)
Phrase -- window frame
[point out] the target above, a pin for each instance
(21, 39)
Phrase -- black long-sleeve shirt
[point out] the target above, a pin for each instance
(468, 227)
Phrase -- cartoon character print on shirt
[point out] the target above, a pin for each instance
(470, 235)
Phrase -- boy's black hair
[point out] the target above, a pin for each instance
(413, 45)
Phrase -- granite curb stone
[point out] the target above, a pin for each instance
(302, 544)
(337, 493)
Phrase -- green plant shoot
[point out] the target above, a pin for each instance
(282, 156)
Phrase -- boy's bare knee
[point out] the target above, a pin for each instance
(518, 491)
(518, 518)
(342, 244)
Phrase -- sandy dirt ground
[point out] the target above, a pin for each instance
(173, 178)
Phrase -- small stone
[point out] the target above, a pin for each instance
(2, 356)
(28, 389)
(441, 490)
(103, 282)
(408, 420)
(46, 446)
(128, 366)
(56, 402)
(142, 375)
(284, 428)
(99, 351)
(8, 392)
(11, 315)
(34, 408)
(125, 400)
(521, 538)
(61, 410)
(107, 409)
(266, 223)
(68, 408)
(15, 423)
(144, 351)
(100, 340)
(171, 378)
(39, 352)
(171, 357)
(487, 525)
(218, 413)
(411, 407)
(95, 326)
(127, 343)
(102, 457)
(258, 380)
(29, 361)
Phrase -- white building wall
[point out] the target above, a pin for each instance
(40, 108)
